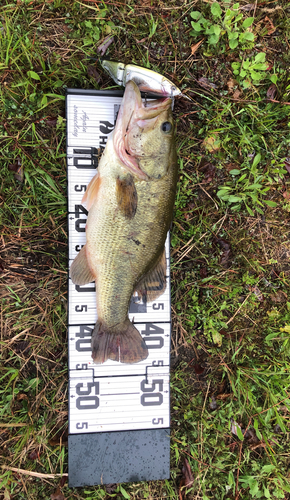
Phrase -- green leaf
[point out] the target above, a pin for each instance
(254, 488)
(33, 75)
(236, 65)
(233, 36)
(260, 66)
(248, 22)
(229, 14)
(270, 337)
(213, 39)
(267, 493)
(124, 493)
(235, 171)
(270, 203)
(197, 26)
(243, 73)
(256, 160)
(274, 79)
(261, 57)
(246, 84)
(268, 468)
(247, 36)
(217, 338)
(43, 101)
(256, 76)
(195, 14)
(216, 29)
(234, 199)
(238, 18)
(246, 64)
(239, 433)
(223, 195)
(233, 44)
(216, 9)
(250, 211)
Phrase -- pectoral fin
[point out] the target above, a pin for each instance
(153, 284)
(91, 193)
(127, 198)
(80, 271)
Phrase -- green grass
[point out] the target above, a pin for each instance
(230, 247)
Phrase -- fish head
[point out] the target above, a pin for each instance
(144, 134)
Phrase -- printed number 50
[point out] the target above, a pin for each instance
(153, 398)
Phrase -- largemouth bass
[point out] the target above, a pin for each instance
(130, 202)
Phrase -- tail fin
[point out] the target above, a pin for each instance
(120, 343)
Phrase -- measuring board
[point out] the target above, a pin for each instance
(118, 413)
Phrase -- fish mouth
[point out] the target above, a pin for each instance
(133, 110)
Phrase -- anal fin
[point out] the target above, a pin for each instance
(80, 271)
(153, 284)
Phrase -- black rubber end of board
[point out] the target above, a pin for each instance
(118, 457)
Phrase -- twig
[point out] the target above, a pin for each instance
(34, 474)
(238, 310)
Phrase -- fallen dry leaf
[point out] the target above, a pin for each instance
(17, 167)
(223, 396)
(271, 92)
(278, 297)
(34, 455)
(269, 25)
(205, 83)
(94, 73)
(236, 94)
(57, 495)
(198, 369)
(195, 47)
(211, 143)
(248, 7)
(102, 49)
(213, 404)
(209, 172)
(227, 251)
(186, 480)
(258, 293)
(287, 165)
(230, 84)
(51, 121)
(234, 427)
(286, 195)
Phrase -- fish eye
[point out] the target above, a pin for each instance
(166, 127)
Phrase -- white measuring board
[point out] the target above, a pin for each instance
(117, 405)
